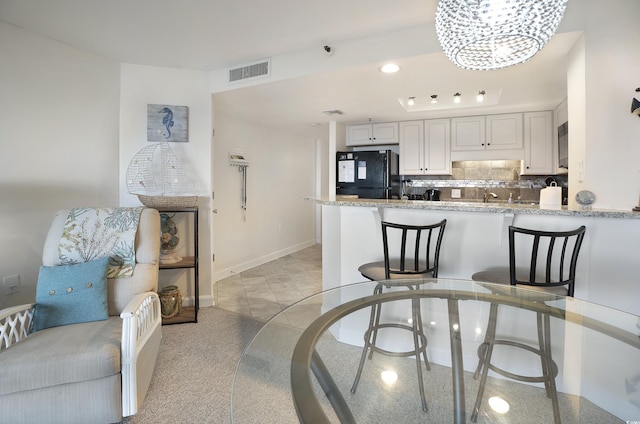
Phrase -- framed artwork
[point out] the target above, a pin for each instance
(168, 123)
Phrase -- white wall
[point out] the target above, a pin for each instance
(601, 80)
(142, 85)
(59, 138)
(281, 171)
(576, 107)
(612, 73)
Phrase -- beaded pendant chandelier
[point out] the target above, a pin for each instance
(493, 34)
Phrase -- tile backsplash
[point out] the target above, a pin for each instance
(472, 178)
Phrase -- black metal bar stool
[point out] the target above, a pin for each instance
(418, 257)
(544, 261)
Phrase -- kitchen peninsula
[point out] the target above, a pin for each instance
(476, 237)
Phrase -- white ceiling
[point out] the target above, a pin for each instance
(209, 34)
(363, 92)
(215, 34)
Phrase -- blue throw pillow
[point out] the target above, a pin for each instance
(70, 294)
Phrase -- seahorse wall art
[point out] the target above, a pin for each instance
(167, 123)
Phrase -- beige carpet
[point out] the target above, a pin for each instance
(194, 373)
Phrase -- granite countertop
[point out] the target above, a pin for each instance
(464, 206)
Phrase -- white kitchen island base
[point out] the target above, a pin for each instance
(476, 238)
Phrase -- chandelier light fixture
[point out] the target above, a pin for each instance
(494, 34)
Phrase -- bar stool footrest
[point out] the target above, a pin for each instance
(529, 379)
(421, 337)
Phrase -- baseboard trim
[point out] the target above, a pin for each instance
(228, 272)
(205, 301)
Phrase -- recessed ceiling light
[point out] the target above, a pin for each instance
(456, 98)
(434, 99)
(411, 101)
(480, 96)
(390, 68)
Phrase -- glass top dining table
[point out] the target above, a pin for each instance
(301, 365)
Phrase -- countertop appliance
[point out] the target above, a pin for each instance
(371, 174)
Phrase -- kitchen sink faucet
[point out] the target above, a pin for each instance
(487, 194)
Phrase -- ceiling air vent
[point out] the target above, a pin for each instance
(259, 69)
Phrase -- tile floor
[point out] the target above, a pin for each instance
(265, 290)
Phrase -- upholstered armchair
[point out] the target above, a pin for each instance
(77, 355)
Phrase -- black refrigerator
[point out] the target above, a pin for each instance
(368, 174)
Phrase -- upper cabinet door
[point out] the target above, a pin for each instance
(412, 148)
(468, 133)
(437, 147)
(359, 135)
(504, 131)
(386, 133)
(538, 143)
(425, 147)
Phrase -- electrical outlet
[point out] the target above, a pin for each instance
(11, 284)
(455, 193)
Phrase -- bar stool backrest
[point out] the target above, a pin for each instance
(412, 250)
(544, 258)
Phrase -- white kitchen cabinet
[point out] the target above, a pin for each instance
(411, 147)
(425, 147)
(384, 133)
(491, 132)
(437, 142)
(504, 131)
(468, 133)
(538, 143)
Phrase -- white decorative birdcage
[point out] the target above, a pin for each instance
(159, 180)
